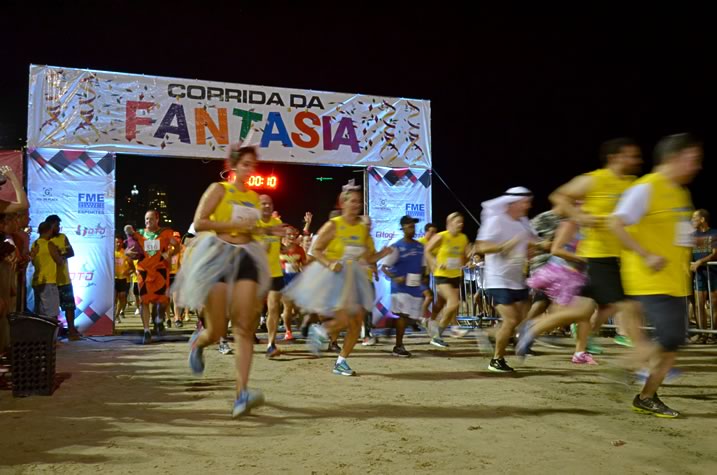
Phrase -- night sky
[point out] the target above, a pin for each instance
(516, 99)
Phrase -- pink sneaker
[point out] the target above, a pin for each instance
(584, 358)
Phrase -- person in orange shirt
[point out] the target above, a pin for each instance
(159, 245)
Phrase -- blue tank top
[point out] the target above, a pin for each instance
(410, 266)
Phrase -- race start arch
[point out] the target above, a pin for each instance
(79, 119)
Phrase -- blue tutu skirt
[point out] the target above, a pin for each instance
(322, 291)
(209, 260)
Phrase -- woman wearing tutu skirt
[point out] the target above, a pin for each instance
(225, 272)
(562, 279)
(335, 284)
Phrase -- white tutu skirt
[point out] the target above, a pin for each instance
(209, 260)
(321, 291)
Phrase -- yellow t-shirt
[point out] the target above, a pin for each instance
(63, 272)
(122, 267)
(664, 230)
(601, 201)
(45, 266)
(273, 245)
(451, 255)
(349, 242)
(237, 203)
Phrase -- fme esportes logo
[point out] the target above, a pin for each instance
(91, 203)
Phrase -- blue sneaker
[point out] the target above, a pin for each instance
(246, 401)
(527, 337)
(318, 338)
(196, 356)
(343, 369)
(272, 352)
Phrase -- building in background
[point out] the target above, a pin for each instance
(131, 209)
(157, 199)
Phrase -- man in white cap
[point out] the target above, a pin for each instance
(504, 237)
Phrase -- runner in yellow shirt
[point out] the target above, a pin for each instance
(590, 199)
(272, 244)
(124, 268)
(652, 222)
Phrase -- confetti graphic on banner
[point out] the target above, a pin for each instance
(84, 109)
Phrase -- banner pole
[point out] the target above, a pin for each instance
(365, 192)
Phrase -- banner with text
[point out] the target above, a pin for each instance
(394, 193)
(79, 187)
(96, 110)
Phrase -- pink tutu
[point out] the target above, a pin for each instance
(559, 282)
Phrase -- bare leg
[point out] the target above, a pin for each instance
(245, 319)
(581, 309)
(511, 316)
(287, 315)
(450, 310)
(400, 329)
(663, 364)
(272, 318)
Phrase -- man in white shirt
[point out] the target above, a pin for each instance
(504, 237)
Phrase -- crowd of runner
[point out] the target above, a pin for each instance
(613, 246)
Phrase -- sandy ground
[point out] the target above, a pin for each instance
(127, 409)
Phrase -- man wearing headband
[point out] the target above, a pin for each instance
(504, 237)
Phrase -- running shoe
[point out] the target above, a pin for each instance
(317, 339)
(178, 324)
(246, 401)
(584, 358)
(593, 348)
(225, 349)
(457, 332)
(147, 338)
(272, 352)
(196, 356)
(159, 328)
(136, 312)
(169, 323)
(370, 341)
(343, 369)
(401, 352)
(623, 340)
(436, 341)
(256, 339)
(498, 365)
(653, 406)
(334, 347)
(289, 337)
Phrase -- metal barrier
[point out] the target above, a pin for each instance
(476, 306)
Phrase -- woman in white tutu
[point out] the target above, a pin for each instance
(335, 284)
(225, 272)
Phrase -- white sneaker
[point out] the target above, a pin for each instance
(136, 312)
(457, 332)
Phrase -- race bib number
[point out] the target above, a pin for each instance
(413, 280)
(151, 245)
(240, 212)
(684, 236)
(454, 263)
(353, 252)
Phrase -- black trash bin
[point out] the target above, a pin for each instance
(32, 354)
